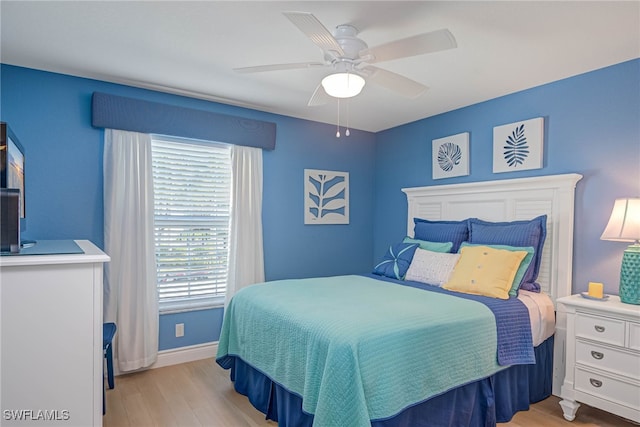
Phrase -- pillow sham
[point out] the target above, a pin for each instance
(430, 246)
(433, 268)
(515, 233)
(482, 270)
(522, 269)
(396, 261)
(441, 231)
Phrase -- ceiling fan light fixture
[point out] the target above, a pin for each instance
(343, 85)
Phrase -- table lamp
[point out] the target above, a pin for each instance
(624, 226)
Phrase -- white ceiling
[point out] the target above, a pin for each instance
(191, 48)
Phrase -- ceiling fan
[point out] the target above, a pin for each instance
(350, 58)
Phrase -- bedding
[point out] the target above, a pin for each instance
(361, 348)
(514, 233)
(524, 265)
(482, 270)
(541, 315)
(430, 246)
(491, 400)
(512, 324)
(455, 232)
(396, 261)
(432, 268)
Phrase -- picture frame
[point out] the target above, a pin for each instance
(450, 156)
(518, 146)
(326, 197)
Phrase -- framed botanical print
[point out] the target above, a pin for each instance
(518, 146)
(326, 197)
(450, 156)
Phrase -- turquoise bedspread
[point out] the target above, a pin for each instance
(337, 342)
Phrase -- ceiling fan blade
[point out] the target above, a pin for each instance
(411, 46)
(319, 97)
(277, 67)
(318, 33)
(395, 82)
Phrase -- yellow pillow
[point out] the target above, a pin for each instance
(482, 270)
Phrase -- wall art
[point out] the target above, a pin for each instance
(450, 156)
(326, 197)
(518, 146)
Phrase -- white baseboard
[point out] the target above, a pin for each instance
(179, 355)
(190, 353)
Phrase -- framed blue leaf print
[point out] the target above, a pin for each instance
(518, 146)
(450, 156)
(326, 197)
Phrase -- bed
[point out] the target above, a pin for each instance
(381, 350)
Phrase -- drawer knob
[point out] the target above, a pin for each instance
(599, 328)
(597, 355)
(595, 383)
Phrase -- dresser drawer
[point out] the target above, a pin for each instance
(607, 388)
(609, 359)
(634, 335)
(603, 329)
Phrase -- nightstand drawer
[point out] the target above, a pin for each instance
(608, 388)
(634, 335)
(601, 329)
(609, 359)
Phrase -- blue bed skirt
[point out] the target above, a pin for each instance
(492, 400)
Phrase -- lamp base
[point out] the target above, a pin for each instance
(630, 275)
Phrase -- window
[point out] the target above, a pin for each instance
(192, 192)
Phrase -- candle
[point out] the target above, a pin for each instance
(596, 290)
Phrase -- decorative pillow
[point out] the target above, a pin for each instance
(482, 270)
(430, 246)
(514, 233)
(433, 268)
(524, 265)
(441, 231)
(396, 262)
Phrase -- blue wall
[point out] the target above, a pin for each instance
(592, 127)
(51, 115)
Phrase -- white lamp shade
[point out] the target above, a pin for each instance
(343, 85)
(624, 224)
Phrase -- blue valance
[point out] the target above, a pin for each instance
(117, 112)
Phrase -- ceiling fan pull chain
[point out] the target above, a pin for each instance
(338, 125)
(346, 132)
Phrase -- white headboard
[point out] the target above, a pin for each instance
(510, 200)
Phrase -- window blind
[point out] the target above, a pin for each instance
(192, 192)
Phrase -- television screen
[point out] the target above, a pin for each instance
(15, 170)
(12, 162)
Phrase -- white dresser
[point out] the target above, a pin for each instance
(51, 338)
(602, 356)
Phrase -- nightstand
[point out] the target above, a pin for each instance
(602, 356)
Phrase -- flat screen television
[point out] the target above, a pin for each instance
(12, 161)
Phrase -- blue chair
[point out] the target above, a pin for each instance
(108, 332)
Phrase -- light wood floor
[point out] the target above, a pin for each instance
(201, 394)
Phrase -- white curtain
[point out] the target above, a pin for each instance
(246, 257)
(130, 295)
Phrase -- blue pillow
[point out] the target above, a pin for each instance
(396, 261)
(524, 264)
(515, 233)
(441, 231)
(442, 247)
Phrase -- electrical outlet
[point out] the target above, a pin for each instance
(179, 330)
